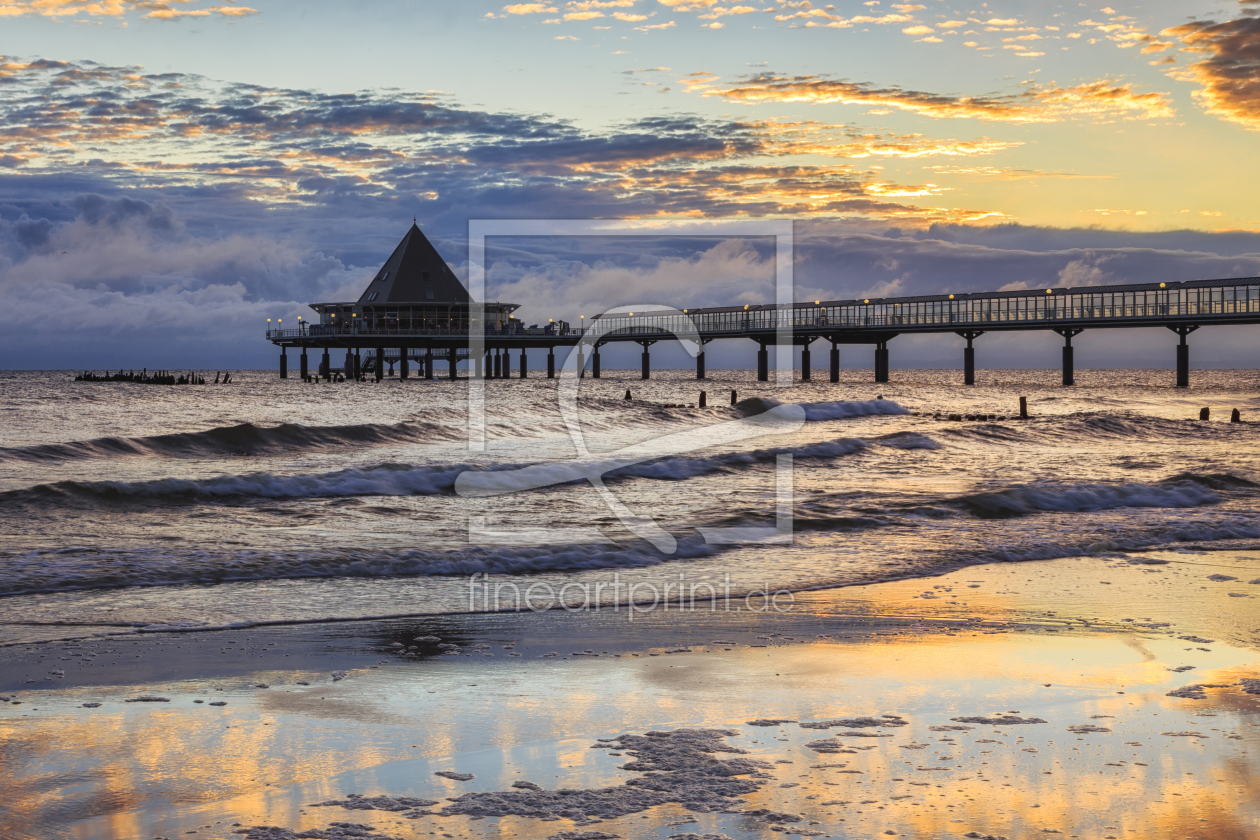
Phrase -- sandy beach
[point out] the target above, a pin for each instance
(1008, 700)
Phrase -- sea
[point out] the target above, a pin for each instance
(131, 508)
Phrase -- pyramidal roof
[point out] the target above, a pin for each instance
(415, 273)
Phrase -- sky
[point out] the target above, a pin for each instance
(174, 172)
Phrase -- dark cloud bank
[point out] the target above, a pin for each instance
(107, 279)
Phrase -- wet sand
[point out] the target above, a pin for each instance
(1091, 646)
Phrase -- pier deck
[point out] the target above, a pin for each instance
(1181, 307)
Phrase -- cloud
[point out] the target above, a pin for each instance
(813, 17)
(528, 8)
(155, 9)
(994, 173)
(352, 154)
(1230, 76)
(1034, 104)
(1126, 35)
(179, 278)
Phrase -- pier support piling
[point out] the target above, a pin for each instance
(428, 363)
(700, 363)
(325, 367)
(1069, 361)
(581, 363)
(646, 359)
(284, 364)
(358, 365)
(380, 363)
(1183, 354)
(595, 362)
(805, 363)
(348, 369)
(498, 364)
(763, 363)
(881, 361)
(404, 366)
(835, 362)
(551, 363)
(969, 356)
(479, 367)
(524, 365)
(303, 368)
(453, 360)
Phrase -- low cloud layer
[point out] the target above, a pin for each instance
(138, 277)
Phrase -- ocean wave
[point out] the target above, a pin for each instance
(838, 410)
(1021, 501)
(242, 439)
(395, 479)
(52, 571)
(1221, 534)
(907, 440)
(382, 480)
(1090, 426)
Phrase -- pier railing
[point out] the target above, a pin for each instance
(1198, 302)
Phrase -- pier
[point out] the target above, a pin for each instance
(416, 311)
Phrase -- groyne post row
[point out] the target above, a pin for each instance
(1180, 307)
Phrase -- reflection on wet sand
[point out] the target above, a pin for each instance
(983, 644)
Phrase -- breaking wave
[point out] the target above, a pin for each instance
(1021, 501)
(239, 440)
(393, 479)
(69, 569)
(826, 410)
